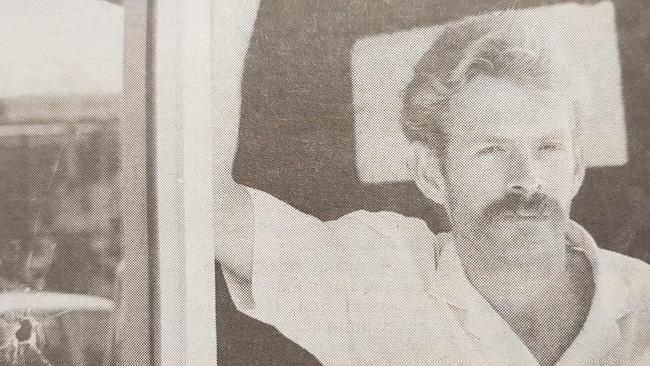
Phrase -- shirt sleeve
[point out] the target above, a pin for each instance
(311, 277)
(299, 281)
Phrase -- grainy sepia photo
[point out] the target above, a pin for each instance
(74, 257)
(432, 182)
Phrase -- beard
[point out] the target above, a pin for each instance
(518, 226)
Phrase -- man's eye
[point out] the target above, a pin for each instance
(549, 147)
(490, 150)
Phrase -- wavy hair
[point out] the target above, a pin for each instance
(496, 44)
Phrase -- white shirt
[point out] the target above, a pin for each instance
(382, 289)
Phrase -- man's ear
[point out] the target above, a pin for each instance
(579, 169)
(578, 175)
(427, 173)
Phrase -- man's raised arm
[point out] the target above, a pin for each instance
(232, 31)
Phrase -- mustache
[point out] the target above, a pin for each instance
(537, 204)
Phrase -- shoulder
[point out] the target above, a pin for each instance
(634, 272)
(391, 235)
(626, 266)
(390, 250)
(385, 223)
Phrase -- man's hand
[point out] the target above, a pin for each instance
(233, 27)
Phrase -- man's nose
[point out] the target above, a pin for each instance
(524, 177)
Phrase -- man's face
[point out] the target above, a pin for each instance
(510, 166)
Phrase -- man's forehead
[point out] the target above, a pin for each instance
(492, 108)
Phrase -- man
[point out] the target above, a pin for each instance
(496, 139)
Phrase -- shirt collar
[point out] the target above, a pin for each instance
(611, 302)
(601, 330)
